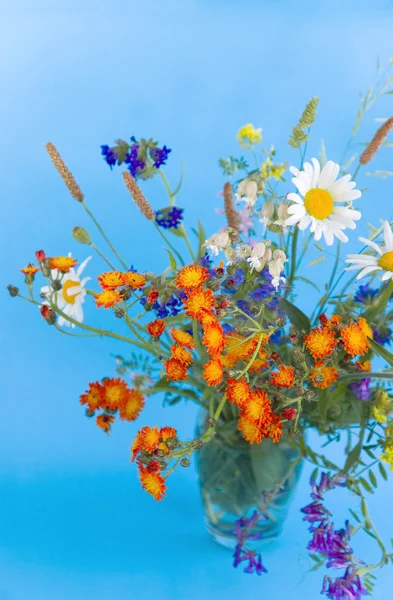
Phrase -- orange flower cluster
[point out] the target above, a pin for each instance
(322, 341)
(111, 283)
(112, 395)
(284, 377)
(257, 419)
(181, 357)
(151, 440)
(239, 348)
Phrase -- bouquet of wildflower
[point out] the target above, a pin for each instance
(224, 329)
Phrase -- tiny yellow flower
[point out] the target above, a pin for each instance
(248, 136)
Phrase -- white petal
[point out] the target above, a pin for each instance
(84, 281)
(83, 265)
(317, 172)
(368, 270)
(372, 244)
(295, 209)
(388, 236)
(305, 222)
(295, 198)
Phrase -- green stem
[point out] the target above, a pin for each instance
(104, 258)
(96, 223)
(169, 244)
(293, 262)
(185, 236)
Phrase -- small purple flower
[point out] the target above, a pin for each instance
(109, 155)
(244, 306)
(383, 336)
(227, 328)
(244, 533)
(159, 155)
(348, 587)
(135, 166)
(170, 217)
(365, 294)
(262, 292)
(275, 338)
(361, 388)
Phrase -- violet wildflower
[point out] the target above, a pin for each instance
(109, 155)
(382, 336)
(232, 283)
(170, 217)
(348, 587)
(243, 532)
(135, 165)
(365, 294)
(159, 155)
(361, 388)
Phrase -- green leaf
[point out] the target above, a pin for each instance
(172, 259)
(382, 352)
(316, 261)
(201, 238)
(373, 479)
(308, 281)
(353, 457)
(323, 403)
(355, 516)
(382, 470)
(366, 485)
(295, 315)
(177, 188)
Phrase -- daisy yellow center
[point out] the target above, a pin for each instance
(318, 203)
(386, 261)
(70, 298)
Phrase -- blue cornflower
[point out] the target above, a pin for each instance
(135, 166)
(109, 154)
(365, 294)
(275, 338)
(382, 336)
(159, 155)
(169, 217)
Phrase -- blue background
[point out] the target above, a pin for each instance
(73, 519)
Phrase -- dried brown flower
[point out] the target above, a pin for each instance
(376, 142)
(138, 196)
(64, 173)
(230, 211)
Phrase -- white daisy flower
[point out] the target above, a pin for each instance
(320, 206)
(71, 296)
(382, 262)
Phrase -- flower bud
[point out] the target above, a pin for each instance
(185, 462)
(46, 270)
(40, 256)
(268, 210)
(56, 285)
(211, 422)
(119, 312)
(197, 444)
(14, 291)
(289, 413)
(89, 412)
(282, 211)
(48, 314)
(126, 293)
(81, 235)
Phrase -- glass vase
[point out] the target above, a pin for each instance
(237, 478)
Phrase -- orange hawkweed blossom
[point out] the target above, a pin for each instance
(213, 372)
(94, 396)
(30, 269)
(181, 354)
(191, 276)
(156, 327)
(108, 298)
(214, 338)
(320, 342)
(150, 439)
(131, 408)
(152, 481)
(284, 377)
(238, 391)
(111, 280)
(274, 428)
(135, 280)
(364, 366)
(355, 337)
(116, 393)
(175, 370)
(62, 263)
(199, 302)
(323, 376)
(104, 422)
(258, 407)
(183, 338)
